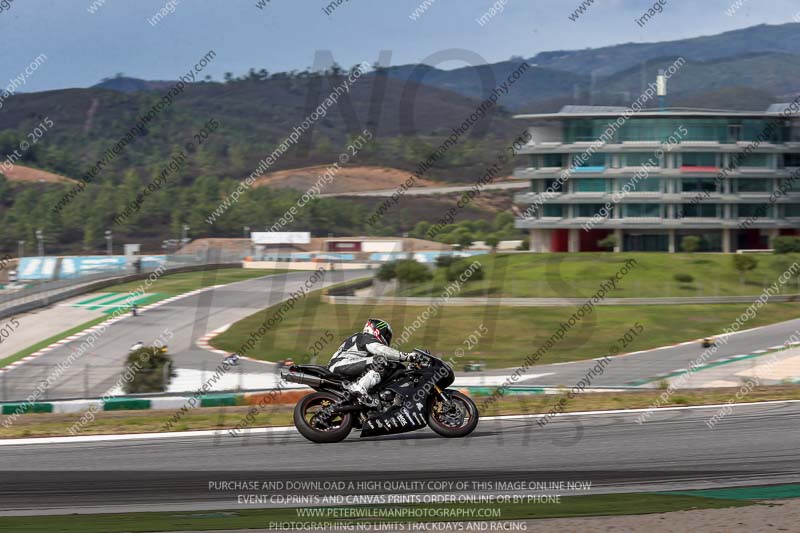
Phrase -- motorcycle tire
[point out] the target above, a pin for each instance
(467, 426)
(313, 434)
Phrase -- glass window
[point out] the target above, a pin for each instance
(641, 159)
(753, 185)
(590, 185)
(698, 185)
(789, 185)
(553, 160)
(642, 210)
(754, 210)
(594, 160)
(553, 185)
(644, 184)
(791, 160)
(588, 210)
(750, 160)
(792, 210)
(553, 210)
(700, 210)
(698, 159)
(734, 133)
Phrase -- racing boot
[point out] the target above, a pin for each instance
(361, 388)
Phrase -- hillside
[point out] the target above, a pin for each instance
(254, 117)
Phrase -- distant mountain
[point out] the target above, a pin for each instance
(784, 38)
(763, 58)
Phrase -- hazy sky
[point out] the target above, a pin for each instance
(82, 48)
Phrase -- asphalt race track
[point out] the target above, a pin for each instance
(756, 444)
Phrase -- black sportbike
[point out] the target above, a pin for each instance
(409, 398)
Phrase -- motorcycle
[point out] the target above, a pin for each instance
(409, 398)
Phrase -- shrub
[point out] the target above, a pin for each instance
(455, 270)
(683, 278)
(608, 242)
(147, 369)
(492, 241)
(444, 261)
(387, 271)
(744, 263)
(525, 244)
(410, 271)
(785, 245)
(464, 240)
(690, 244)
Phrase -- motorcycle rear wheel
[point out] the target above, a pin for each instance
(448, 423)
(309, 406)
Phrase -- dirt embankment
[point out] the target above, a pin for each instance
(347, 179)
(34, 175)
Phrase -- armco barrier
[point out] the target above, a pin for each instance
(49, 299)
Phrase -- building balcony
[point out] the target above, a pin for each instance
(628, 172)
(652, 197)
(637, 146)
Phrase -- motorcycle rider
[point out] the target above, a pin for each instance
(139, 345)
(362, 356)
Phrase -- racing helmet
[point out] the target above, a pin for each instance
(380, 329)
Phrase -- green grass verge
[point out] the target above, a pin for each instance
(174, 284)
(570, 506)
(515, 332)
(580, 275)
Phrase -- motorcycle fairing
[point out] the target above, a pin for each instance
(396, 419)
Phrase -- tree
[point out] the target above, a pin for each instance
(464, 240)
(743, 264)
(492, 241)
(153, 370)
(609, 242)
(690, 244)
(410, 271)
(465, 271)
(503, 221)
(786, 244)
(787, 265)
(387, 271)
(420, 230)
(444, 260)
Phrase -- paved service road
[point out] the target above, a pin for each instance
(756, 444)
(425, 191)
(187, 318)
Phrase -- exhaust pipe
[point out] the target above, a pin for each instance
(303, 378)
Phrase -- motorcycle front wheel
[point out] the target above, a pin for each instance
(455, 418)
(312, 422)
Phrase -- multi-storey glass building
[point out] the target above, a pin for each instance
(653, 177)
